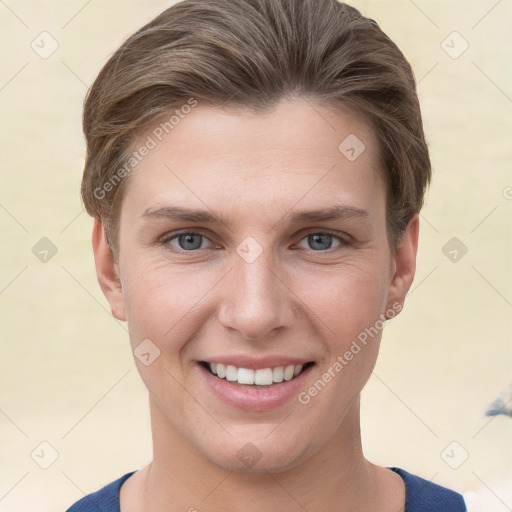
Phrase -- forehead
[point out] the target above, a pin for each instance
(298, 151)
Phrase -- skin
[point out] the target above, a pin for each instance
(294, 299)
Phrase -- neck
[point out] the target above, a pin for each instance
(337, 478)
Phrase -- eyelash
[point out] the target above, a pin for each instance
(166, 239)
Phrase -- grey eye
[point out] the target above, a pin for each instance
(320, 241)
(189, 241)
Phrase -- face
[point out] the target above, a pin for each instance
(254, 265)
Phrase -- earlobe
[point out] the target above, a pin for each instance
(107, 271)
(404, 264)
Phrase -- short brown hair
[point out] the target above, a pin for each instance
(251, 54)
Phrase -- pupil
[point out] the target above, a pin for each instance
(317, 241)
(188, 241)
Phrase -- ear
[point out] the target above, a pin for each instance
(107, 271)
(404, 264)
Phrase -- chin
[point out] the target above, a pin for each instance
(258, 457)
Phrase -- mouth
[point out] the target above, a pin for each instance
(255, 378)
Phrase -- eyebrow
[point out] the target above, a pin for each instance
(336, 212)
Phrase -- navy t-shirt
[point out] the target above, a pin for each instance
(421, 496)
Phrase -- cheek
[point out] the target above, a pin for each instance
(159, 300)
(349, 305)
(346, 300)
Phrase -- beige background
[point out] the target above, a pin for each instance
(67, 374)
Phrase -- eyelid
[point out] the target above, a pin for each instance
(342, 238)
(168, 237)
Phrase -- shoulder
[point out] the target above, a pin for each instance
(425, 496)
(104, 500)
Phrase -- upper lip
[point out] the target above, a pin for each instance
(244, 361)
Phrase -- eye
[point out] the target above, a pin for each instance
(322, 241)
(188, 241)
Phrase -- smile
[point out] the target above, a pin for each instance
(255, 377)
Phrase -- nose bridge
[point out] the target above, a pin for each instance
(257, 302)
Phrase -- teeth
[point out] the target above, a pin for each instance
(288, 372)
(245, 376)
(277, 374)
(231, 373)
(220, 370)
(261, 377)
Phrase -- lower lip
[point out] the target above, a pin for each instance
(254, 398)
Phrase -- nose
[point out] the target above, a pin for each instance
(256, 301)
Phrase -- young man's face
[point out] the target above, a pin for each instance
(267, 289)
